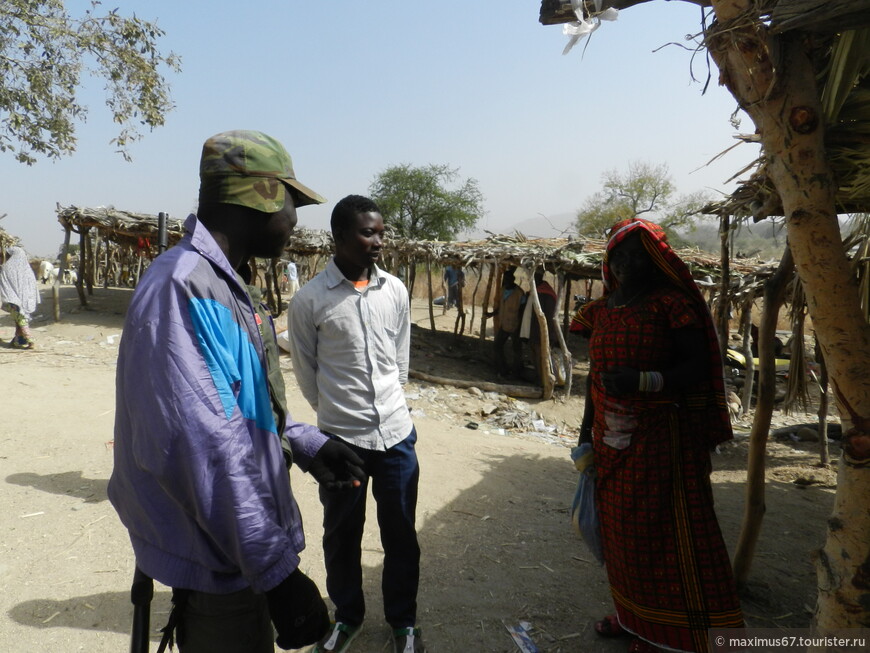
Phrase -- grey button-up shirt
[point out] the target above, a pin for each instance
(350, 351)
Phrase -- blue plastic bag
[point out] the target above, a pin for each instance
(584, 510)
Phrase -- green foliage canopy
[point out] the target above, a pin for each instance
(417, 203)
(73, 251)
(43, 53)
(645, 191)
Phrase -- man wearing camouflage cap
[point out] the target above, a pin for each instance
(202, 434)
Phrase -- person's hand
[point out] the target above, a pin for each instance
(298, 611)
(620, 380)
(337, 467)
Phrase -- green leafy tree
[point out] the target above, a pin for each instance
(417, 203)
(44, 52)
(645, 191)
(73, 251)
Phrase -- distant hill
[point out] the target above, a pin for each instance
(551, 226)
(764, 240)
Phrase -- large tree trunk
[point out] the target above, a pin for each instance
(772, 78)
(822, 380)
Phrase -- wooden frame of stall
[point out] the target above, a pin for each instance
(112, 243)
(134, 236)
(567, 259)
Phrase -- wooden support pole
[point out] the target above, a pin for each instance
(431, 299)
(493, 269)
(548, 382)
(88, 264)
(106, 268)
(270, 282)
(567, 360)
(411, 267)
(569, 307)
(55, 289)
(474, 298)
(774, 294)
(722, 308)
(138, 270)
(279, 279)
(749, 379)
(80, 281)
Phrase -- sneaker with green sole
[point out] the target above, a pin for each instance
(408, 640)
(338, 638)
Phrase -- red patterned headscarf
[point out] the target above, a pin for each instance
(655, 241)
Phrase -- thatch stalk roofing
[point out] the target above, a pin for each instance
(121, 227)
(570, 258)
(7, 239)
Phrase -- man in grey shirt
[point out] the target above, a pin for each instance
(350, 338)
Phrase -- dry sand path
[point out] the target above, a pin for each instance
(497, 546)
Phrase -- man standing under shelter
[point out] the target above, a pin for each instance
(351, 330)
(507, 311)
(202, 434)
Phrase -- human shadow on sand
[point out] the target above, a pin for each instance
(68, 484)
(105, 306)
(106, 612)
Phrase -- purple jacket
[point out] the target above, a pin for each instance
(199, 479)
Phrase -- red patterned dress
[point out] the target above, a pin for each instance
(667, 565)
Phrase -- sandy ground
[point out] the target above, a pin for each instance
(497, 544)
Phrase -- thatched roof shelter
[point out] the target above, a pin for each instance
(572, 258)
(568, 259)
(7, 239)
(575, 258)
(112, 243)
(121, 227)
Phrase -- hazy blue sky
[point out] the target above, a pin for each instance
(352, 88)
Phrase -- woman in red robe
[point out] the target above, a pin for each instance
(655, 408)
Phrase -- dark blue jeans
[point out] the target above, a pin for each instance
(394, 476)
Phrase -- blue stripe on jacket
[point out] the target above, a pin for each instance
(233, 362)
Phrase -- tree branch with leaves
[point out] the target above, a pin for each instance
(44, 53)
(644, 190)
(425, 203)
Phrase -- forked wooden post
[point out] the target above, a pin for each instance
(431, 299)
(55, 289)
(774, 295)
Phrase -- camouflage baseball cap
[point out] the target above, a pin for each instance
(251, 169)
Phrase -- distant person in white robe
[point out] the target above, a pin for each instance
(18, 294)
(292, 275)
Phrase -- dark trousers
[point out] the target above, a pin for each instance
(453, 295)
(501, 360)
(225, 623)
(394, 476)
